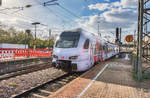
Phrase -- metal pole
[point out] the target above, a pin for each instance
(25, 40)
(120, 40)
(49, 37)
(120, 34)
(134, 37)
(28, 47)
(35, 23)
(98, 29)
(139, 46)
(35, 38)
(28, 32)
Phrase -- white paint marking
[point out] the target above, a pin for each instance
(101, 71)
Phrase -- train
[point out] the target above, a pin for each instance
(78, 50)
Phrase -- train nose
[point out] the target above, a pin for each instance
(53, 64)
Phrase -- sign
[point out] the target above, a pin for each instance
(129, 38)
(34, 42)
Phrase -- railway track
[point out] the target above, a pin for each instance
(25, 70)
(48, 88)
(4, 69)
(22, 61)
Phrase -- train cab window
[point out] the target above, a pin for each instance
(86, 44)
(68, 40)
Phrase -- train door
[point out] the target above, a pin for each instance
(106, 51)
(88, 45)
(91, 49)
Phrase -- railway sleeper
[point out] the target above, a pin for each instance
(42, 93)
(62, 82)
(45, 91)
(38, 96)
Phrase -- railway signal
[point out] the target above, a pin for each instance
(117, 35)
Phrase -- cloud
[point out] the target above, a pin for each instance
(120, 15)
(115, 14)
(109, 20)
(129, 3)
(100, 7)
(104, 6)
(117, 4)
(17, 22)
(107, 0)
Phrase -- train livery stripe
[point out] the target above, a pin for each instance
(95, 58)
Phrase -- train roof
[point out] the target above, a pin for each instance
(91, 36)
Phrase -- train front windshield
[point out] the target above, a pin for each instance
(68, 40)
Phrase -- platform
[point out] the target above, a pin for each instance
(8, 60)
(115, 82)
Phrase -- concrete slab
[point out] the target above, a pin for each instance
(115, 82)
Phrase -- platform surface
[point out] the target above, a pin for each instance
(115, 82)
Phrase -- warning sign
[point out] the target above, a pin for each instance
(129, 38)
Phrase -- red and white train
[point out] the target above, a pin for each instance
(79, 50)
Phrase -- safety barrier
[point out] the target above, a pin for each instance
(14, 53)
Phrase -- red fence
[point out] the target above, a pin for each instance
(12, 53)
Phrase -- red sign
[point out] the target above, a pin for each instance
(62, 57)
(129, 38)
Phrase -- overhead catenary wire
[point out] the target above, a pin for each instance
(50, 10)
(67, 10)
(20, 15)
(26, 26)
(59, 16)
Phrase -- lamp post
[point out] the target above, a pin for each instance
(28, 33)
(99, 28)
(35, 23)
(49, 38)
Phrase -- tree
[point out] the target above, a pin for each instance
(20, 37)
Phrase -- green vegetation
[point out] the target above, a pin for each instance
(133, 58)
(134, 74)
(145, 76)
(13, 36)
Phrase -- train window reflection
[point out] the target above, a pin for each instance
(68, 40)
(86, 44)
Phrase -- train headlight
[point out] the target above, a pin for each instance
(55, 56)
(73, 57)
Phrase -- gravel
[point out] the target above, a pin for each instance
(18, 84)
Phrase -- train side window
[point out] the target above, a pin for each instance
(86, 44)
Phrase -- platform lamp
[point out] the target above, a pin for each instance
(28, 33)
(35, 23)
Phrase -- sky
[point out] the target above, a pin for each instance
(70, 14)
